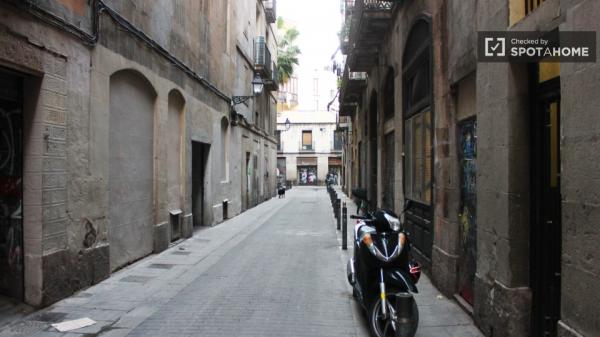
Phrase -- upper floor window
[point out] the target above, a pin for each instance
(337, 141)
(307, 142)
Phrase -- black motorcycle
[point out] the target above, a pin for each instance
(383, 275)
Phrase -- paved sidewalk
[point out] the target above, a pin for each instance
(131, 295)
(438, 315)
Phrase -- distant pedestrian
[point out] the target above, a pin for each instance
(281, 191)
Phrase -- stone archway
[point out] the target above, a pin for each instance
(131, 167)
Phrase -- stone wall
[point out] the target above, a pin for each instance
(68, 135)
(580, 182)
(498, 96)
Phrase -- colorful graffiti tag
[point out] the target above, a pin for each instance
(11, 168)
(468, 209)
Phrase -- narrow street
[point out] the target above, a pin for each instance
(275, 270)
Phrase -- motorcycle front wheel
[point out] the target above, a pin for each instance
(381, 326)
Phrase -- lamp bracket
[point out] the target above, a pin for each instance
(235, 100)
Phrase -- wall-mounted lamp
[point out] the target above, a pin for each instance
(288, 124)
(257, 88)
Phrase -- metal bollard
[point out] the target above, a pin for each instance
(344, 227)
(338, 211)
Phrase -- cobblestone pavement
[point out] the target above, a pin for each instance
(275, 270)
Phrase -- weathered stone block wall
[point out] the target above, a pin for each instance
(66, 199)
(580, 181)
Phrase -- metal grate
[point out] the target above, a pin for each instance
(377, 5)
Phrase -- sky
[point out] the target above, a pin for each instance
(318, 22)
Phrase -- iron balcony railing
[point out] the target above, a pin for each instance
(357, 75)
(270, 10)
(369, 21)
(273, 82)
(262, 58)
(377, 5)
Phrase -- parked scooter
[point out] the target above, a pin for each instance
(382, 274)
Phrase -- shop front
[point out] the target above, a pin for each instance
(307, 171)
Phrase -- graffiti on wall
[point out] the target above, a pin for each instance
(11, 224)
(467, 210)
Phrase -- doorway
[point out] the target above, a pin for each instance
(11, 186)
(247, 172)
(546, 227)
(199, 159)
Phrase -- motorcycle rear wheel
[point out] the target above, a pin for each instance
(383, 328)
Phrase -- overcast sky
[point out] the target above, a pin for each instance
(318, 22)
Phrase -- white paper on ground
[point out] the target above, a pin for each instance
(74, 324)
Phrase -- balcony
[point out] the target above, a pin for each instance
(263, 65)
(272, 83)
(344, 123)
(351, 91)
(345, 38)
(369, 21)
(270, 10)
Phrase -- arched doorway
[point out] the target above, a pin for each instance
(174, 162)
(131, 167)
(418, 137)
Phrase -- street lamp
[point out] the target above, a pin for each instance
(257, 88)
(288, 124)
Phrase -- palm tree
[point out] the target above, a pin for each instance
(287, 55)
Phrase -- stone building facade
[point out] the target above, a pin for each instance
(119, 135)
(498, 159)
(308, 147)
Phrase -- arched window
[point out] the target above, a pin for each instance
(418, 121)
(418, 136)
